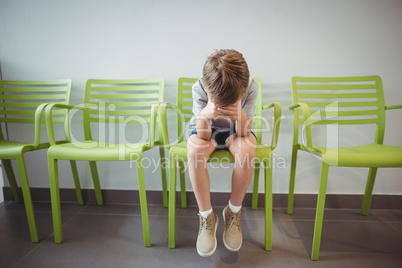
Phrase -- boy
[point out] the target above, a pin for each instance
(224, 104)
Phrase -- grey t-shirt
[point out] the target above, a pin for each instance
(200, 100)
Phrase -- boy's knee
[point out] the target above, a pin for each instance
(243, 150)
(247, 150)
(199, 149)
(245, 157)
(243, 145)
(193, 152)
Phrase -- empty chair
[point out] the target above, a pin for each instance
(122, 102)
(23, 103)
(341, 101)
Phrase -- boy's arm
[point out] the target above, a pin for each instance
(243, 124)
(236, 113)
(203, 124)
(203, 127)
(200, 101)
(248, 110)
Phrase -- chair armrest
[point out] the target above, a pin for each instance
(277, 121)
(307, 120)
(49, 120)
(391, 107)
(162, 122)
(154, 115)
(38, 122)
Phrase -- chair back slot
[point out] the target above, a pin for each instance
(20, 99)
(340, 100)
(122, 101)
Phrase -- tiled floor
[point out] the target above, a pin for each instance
(111, 236)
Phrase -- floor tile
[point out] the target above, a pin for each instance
(100, 241)
(15, 239)
(396, 225)
(389, 215)
(124, 209)
(329, 214)
(355, 260)
(111, 236)
(45, 207)
(344, 238)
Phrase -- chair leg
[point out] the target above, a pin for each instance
(76, 182)
(369, 190)
(143, 202)
(172, 200)
(95, 177)
(292, 180)
(55, 199)
(182, 185)
(11, 180)
(27, 198)
(319, 216)
(254, 202)
(268, 204)
(163, 173)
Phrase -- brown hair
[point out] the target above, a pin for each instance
(225, 77)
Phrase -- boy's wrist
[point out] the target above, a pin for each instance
(203, 114)
(206, 114)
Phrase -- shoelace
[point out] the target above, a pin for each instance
(205, 223)
(234, 218)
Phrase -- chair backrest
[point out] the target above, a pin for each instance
(341, 100)
(121, 101)
(185, 103)
(20, 99)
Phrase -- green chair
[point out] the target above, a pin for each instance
(340, 101)
(105, 102)
(178, 152)
(23, 103)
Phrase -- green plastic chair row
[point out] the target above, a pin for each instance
(340, 100)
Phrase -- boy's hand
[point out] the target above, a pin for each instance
(211, 111)
(233, 111)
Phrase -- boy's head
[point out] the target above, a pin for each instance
(225, 77)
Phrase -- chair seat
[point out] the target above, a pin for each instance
(91, 150)
(370, 155)
(180, 151)
(12, 149)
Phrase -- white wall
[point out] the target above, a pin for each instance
(170, 39)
